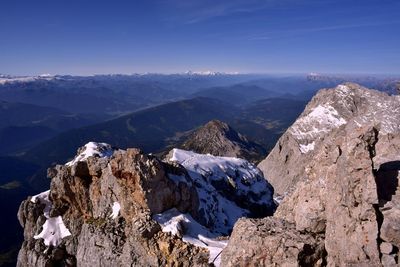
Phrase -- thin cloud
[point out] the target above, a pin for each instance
(199, 11)
(296, 32)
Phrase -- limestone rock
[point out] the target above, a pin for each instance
(271, 242)
(337, 167)
(386, 248)
(85, 193)
(120, 208)
(348, 104)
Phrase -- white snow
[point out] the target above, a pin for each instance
(243, 179)
(115, 210)
(343, 88)
(307, 148)
(213, 177)
(349, 102)
(326, 114)
(9, 79)
(174, 222)
(92, 149)
(321, 120)
(54, 229)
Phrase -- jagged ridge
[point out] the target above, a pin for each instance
(101, 205)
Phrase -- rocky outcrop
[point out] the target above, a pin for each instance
(272, 242)
(126, 208)
(85, 194)
(347, 105)
(341, 205)
(219, 139)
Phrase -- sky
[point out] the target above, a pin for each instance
(86, 37)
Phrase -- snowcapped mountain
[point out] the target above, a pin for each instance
(347, 105)
(6, 79)
(194, 197)
(209, 73)
(92, 149)
(338, 168)
(228, 188)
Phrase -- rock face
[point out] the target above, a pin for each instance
(338, 167)
(84, 195)
(219, 139)
(101, 210)
(272, 242)
(347, 105)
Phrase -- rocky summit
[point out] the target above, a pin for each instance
(337, 168)
(349, 106)
(109, 207)
(219, 139)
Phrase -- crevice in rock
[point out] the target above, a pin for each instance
(395, 252)
(339, 154)
(386, 179)
(371, 141)
(311, 254)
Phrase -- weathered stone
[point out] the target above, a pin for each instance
(336, 177)
(386, 248)
(271, 242)
(389, 261)
(349, 104)
(390, 230)
(84, 193)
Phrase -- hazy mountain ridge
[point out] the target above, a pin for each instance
(263, 120)
(25, 125)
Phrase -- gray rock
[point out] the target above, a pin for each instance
(84, 194)
(388, 261)
(271, 242)
(341, 191)
(348, 104)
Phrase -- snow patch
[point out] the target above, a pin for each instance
(115, 210)
(307, 148)
(92, 149)
(237, 176)
(343, 88)
(10, 79)
(183, 224)
(320, 120)
(54, 229)
(222, 183)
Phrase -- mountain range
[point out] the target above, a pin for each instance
(335, 170)
(44, 120)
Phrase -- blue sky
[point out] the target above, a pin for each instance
(267, 36)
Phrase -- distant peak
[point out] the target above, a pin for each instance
(219, 139)
(217, 124)
(209, 73)
(6, 79)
